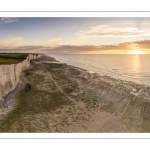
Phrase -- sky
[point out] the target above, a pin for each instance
(96, 35)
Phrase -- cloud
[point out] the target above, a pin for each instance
(28, 49)
(55, 41)
(78, 49)
(145, 44)
(107, 31)
(75, 49)
(8, 20)
(11, 41)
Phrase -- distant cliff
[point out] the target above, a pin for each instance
(9, 74)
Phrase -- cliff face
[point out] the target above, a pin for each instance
(9, 74)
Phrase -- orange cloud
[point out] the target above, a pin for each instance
(11, 41)
(107, 31)
(115, 48)
(55, 41)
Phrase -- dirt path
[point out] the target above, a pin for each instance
(79, 104)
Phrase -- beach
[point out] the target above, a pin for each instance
(62, 98)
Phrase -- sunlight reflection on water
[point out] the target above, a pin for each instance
(128, 67)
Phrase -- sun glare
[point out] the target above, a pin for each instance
(136, 52)
(135, 49)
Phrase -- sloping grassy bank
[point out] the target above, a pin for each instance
(5, 125)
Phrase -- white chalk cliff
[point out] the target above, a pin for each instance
(9, 74)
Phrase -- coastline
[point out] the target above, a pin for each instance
(141, 85)
(134, 73)
(80, 101)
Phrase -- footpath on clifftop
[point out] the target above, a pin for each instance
(62, 98)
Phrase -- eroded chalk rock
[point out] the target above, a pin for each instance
(9, 74)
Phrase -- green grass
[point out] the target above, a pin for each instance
(32, 101)
(27, 73)
(17, 112)
(108, 106)
(12, 58)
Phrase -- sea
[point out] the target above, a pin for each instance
(133, 67)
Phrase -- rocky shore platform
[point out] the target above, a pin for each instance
(62, 98)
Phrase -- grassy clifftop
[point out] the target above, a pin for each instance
(12, 58)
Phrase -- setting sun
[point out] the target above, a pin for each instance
(135, 49)
(136, 52)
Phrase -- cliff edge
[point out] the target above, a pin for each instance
(9, 74)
